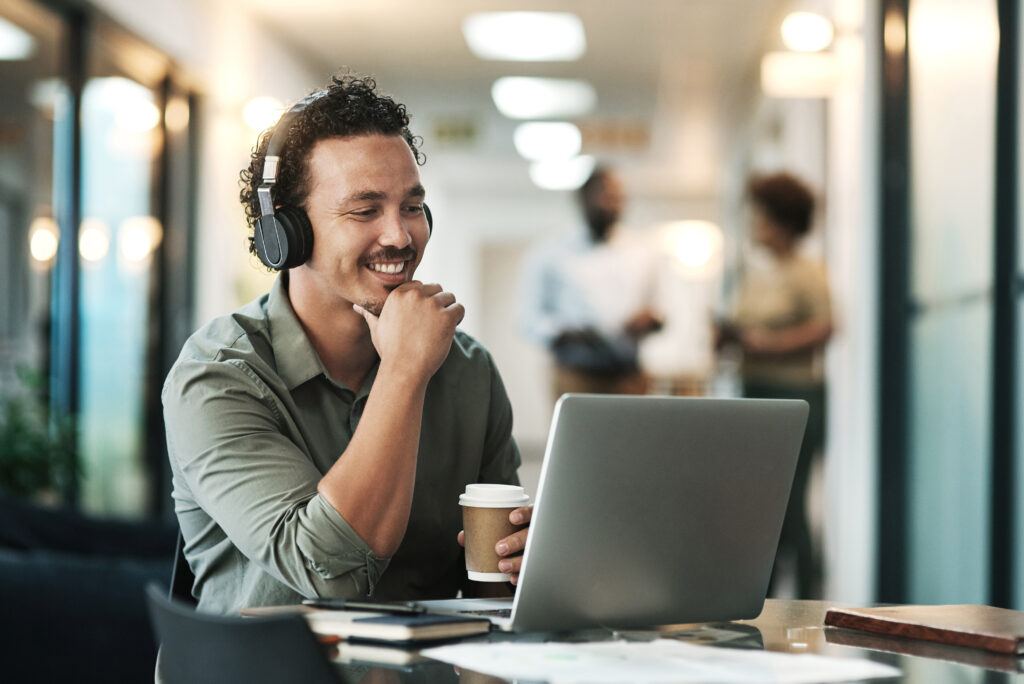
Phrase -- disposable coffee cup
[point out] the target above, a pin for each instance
(485, 511)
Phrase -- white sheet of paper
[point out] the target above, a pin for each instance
(663, 660)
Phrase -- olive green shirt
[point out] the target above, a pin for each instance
(253, 422)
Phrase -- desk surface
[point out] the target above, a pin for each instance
(789, 626)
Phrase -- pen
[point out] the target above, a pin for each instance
(396, 607)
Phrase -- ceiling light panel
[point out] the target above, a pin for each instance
(525, 36)
(520, 97)
(547, 140)
(561, 174)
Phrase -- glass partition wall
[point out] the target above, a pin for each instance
(951, 527)
(95, 181)
(119, 231)
(34, 106)
(953, 50)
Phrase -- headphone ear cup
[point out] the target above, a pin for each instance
(297, 236)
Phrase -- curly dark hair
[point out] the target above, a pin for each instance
(785, 199)
(348, 106)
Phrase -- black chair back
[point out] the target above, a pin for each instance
(196, 648)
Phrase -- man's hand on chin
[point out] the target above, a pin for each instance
(415, 328)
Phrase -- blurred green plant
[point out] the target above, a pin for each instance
(38, 449)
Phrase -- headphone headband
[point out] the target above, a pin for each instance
(280, 134)
(272, 158)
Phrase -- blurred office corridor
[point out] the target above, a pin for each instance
(123, 127)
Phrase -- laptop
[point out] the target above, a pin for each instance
(652, 511)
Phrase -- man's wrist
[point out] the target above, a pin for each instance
(407, 375)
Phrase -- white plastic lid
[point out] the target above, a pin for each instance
(494, 496)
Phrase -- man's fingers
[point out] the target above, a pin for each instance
(370, 319)
(513, 543)
(445, 299)
(521, 516)
(461, 538)
(511, 566)
(458, 312)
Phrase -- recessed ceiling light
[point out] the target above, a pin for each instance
(520, 97)
(137, 115)
(43, 239)
(138, 236)
(93, 239)
(799, 74)
(15, 43)
(561, 174)
(547, 140)
(807, 32)
(525, 36)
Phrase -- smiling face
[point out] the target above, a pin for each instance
(369, 229)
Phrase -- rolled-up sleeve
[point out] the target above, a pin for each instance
(240, 470)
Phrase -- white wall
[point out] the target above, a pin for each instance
(852, 218)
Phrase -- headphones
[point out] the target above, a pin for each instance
(284, 235)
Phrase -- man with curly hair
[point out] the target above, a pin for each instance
(319, 436)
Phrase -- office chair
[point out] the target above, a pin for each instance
(196, 648)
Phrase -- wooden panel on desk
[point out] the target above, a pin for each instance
(971, 626)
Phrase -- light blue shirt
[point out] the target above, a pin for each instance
(553, 302)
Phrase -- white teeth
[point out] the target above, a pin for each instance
(390, 269)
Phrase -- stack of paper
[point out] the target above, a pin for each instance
(663, 660)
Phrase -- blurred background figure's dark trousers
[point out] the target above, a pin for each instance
(797, 542)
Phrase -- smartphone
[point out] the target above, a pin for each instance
(401, 607)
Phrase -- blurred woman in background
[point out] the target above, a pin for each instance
(781, 323)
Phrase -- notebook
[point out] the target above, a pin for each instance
(652, 511)
(355, 625)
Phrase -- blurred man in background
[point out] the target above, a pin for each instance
(586, 298)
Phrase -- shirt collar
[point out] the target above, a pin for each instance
(297, 361)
